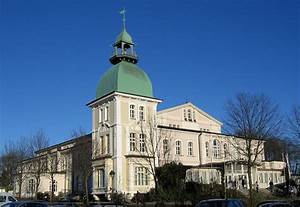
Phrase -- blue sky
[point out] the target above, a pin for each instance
(54, 52)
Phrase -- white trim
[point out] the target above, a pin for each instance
(135, 111)
(193, 106)
(92, 103)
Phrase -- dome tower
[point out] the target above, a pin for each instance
(124, 76)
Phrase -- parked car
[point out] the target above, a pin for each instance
(221, 203)
(25, 204)
(274, 204)
(6, 198)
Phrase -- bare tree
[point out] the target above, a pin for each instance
(80, 131)
(52, 167)
(38, 165)
(294, 123)
(152, 148)
(254, 118)
(82, 161)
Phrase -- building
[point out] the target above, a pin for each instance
(130, 136)
(55, 167)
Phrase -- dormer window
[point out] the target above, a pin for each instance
(132, 111)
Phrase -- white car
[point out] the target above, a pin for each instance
(6, 198)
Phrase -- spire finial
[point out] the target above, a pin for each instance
(122, 12)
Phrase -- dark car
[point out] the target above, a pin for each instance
(221, 203)
(25, 204)
(274, 204)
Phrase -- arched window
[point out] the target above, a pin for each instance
(190, 148)
(207, 149)
(165, 146)
(178, 148)
(216, 148)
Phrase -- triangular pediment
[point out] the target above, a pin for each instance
(176, 112)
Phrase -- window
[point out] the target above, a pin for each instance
(189, 114)
(53, 185)
(107, 144)
(142, 143)
(100, 115)
(101, 144)
(165, 146)
(194, 116)
(132, 142)
(178, 148)
(132, 111)
(31, 186)
(184, 115)
(225, 150)
(141, 113)
(216, 148)
(101, 178)
(140, 176)
(11, 199)
(207, 148)
(106, 113)
(190, 148)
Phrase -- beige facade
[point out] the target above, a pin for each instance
(55, 167)
(184, 134)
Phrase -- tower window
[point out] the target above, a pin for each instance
(141, 113)
(140, 176)
(132, 111)
(190, 148)
(132, 142)
(101, 178)
(178, 148)
(107, 144)
(100, 115)
(106, 113)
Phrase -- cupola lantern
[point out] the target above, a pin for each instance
(123, 46)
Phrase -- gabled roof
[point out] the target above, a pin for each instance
(194, 107)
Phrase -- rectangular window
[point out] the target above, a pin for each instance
(190, 148)
(132, 111)
(100, 115)
(194, 116)
(189, 115)
(141, 113)
(107, 144)
(184, 115)
(106, 113)
(140, 176)
(132, 142)
(101, 144)
(142, 142)
(178, 148)
(101, 178)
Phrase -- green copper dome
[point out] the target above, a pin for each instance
(124, 37)
(125, 77)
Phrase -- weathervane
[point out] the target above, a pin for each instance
(122, 12)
